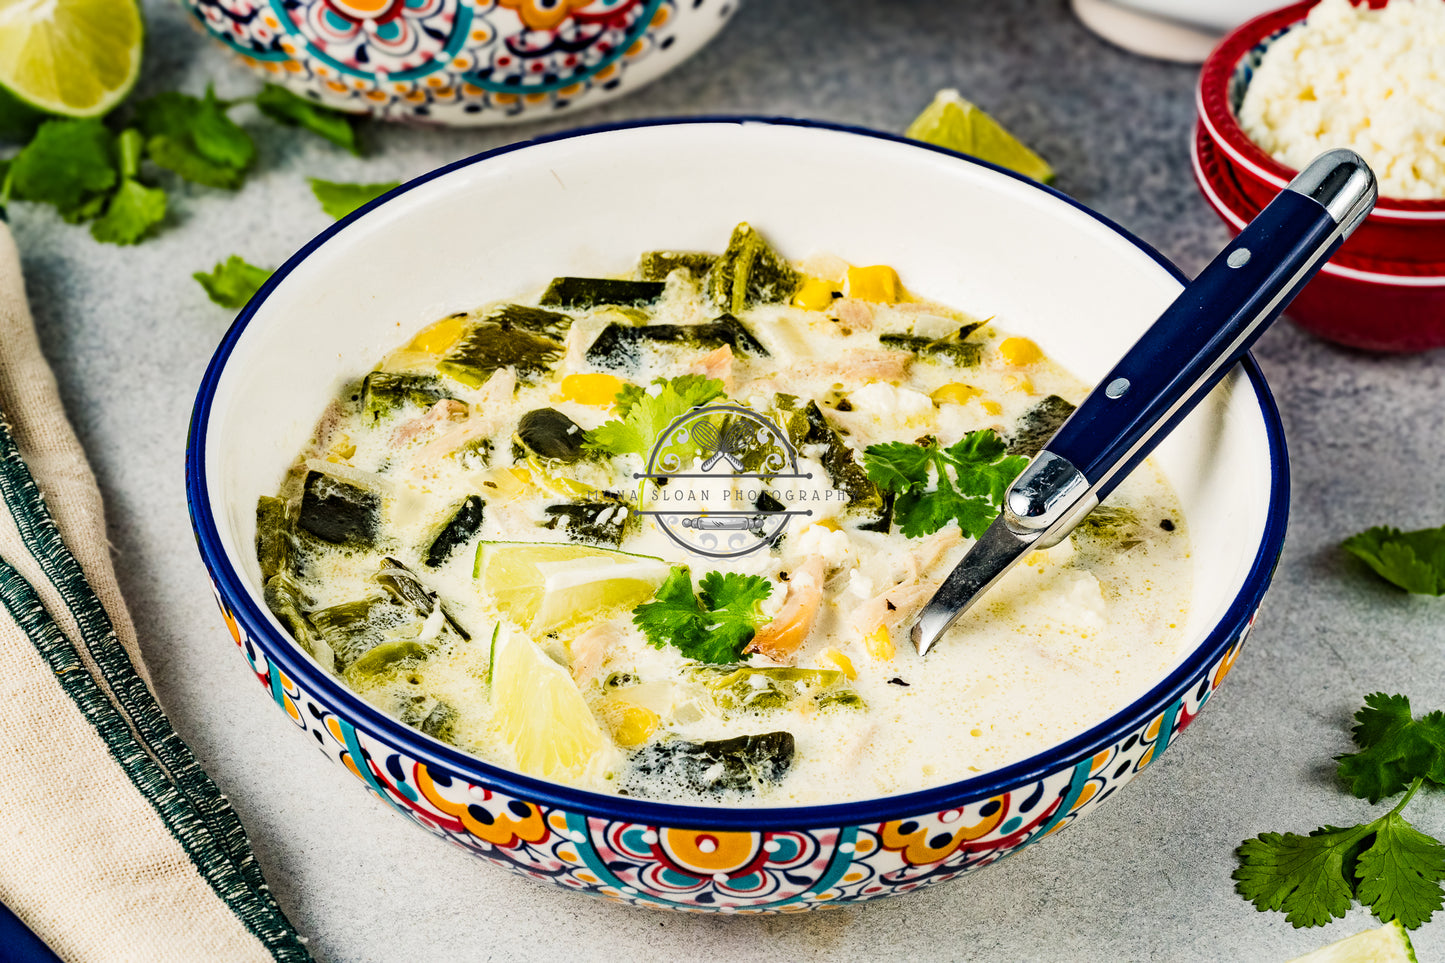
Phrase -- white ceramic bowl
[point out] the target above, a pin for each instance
(957, 230)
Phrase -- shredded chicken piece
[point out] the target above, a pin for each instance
(789, 629)
(448, 409)
(893, 607)
(716, 364)
(857, 365)
(483, 419)
(855, 314)
(589, 650)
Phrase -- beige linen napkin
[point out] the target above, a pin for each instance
(114, 843)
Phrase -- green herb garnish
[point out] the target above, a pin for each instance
(284, 107)
(1387, 865)
(1415, 561)
(134, 209)
(964, 482)
(339, 199)
(643, 413)
(233, 282)
(713, 626)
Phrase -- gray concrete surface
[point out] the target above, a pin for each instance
(1146, 878)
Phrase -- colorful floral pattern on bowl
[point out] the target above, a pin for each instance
(463, 62)
(707, 869)
(1087, 288)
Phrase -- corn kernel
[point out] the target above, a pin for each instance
(815, 295)
(438, 337)
(1019, 351)
(877, 283)
(831, 524)
(993, 407)
(840, 660)
(955, 393)
(1017, 383)
(633, 725)
(880, 644)
(598, 390)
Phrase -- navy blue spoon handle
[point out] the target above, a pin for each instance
(1192, 346)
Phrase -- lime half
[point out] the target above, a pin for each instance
(1387, 944)
(74, 58)
(539, 710)
(544, 585)
(952, 122)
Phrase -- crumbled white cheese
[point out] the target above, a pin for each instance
(1369, 80)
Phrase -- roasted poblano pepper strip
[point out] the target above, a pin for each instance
(352, 629)
(524, 317)
(744, 688)
(551, 434)
(288, 603)
(1038, 424)
(749, 272)
(382, 392)
(458, 530)
(273, 536)
(383, 658)
(597, 523)
(490, 346)
(440, 723)
(806, 425)
(338, 512)
(586, 293)
(402, 584)
(964, 354)
(620, 346)
(744, 764)
(657, 265)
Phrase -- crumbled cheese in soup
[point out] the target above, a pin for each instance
(1370, 80)
(466, 542)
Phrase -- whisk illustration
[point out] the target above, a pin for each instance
(725, 443)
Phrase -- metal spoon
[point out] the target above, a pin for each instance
(1163, 376)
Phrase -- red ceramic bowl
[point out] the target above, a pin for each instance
(1364, 302)
(1397, 230)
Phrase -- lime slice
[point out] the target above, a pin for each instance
(1388, 944)
(76, 58)
(539, 711)
(952, 122)
(544, 585)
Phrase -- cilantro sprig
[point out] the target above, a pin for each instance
(1386, 864)
(338, 199)
(643, 413)
(964, 482)
(94, 170)
(1415, 561)
(715, 624)
(232, 282)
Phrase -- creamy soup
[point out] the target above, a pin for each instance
(665, 534)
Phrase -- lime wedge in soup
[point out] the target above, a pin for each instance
(543, 585)
(952, 122)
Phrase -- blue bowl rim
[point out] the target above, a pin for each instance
(280, 650)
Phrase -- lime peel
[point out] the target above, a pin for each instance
(1385, 944)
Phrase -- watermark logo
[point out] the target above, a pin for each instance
(723, 481)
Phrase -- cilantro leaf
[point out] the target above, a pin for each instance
(1304, 876)
(714, 626)
(644, 413)
(233, 282)
(69, 163)
(133, 211)
(736, 604)
(1415, 561)
(284, 107)
(1395, 748)
(339, 200)
(195, 138)
(1400, 873)
(964, 482)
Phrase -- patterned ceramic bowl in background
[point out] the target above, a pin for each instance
(963, 232)
(463, 62)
